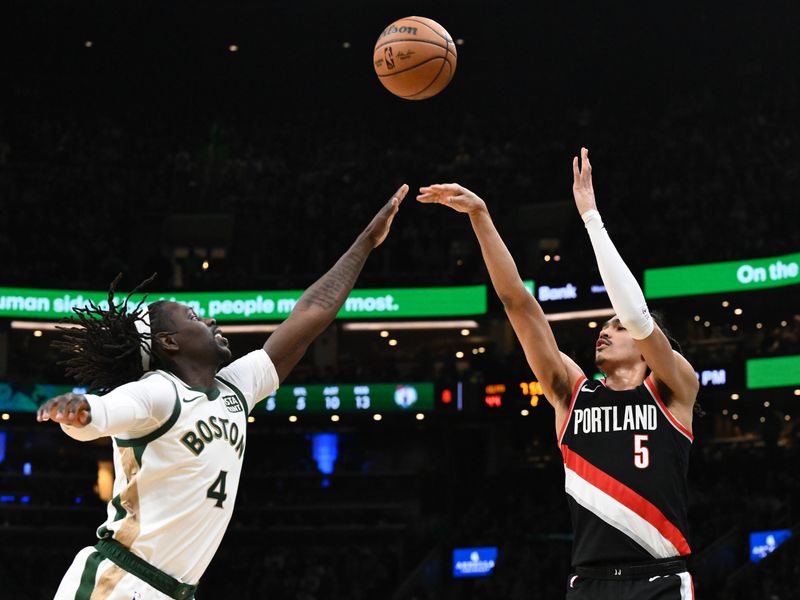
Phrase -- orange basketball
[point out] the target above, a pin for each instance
(415, 58)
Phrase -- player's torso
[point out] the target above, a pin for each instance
(626, 460)
(174, 493)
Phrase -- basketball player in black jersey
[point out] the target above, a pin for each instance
(625, 440)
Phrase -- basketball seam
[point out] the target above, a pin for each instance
(413, 96)
(445, 61)
(424, 62)
(429, 27)
(410, 40)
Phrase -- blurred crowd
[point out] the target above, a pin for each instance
(101, 191)
(385, 522)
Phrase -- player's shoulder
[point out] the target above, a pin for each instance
(155, 385)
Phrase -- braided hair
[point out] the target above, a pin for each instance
(103, 348)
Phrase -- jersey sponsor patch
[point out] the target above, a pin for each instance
(233, 404)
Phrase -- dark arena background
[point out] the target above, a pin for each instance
(237, 148)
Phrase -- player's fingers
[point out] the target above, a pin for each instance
(427, 197)
(446, 187)
(576, 173)
(42, 413)
(400, 193)
(83, 417)
(586, 164)
(51, 409)
(71, 408)
(55, 410)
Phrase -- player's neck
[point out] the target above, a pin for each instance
(624, 377)
(195, 375)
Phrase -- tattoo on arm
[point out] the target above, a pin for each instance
(330, 290)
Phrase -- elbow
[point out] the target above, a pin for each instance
(509, 301)
(516, 299)
(80, 434)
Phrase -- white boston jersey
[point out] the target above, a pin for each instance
(176, 484)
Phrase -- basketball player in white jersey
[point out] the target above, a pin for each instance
(625, 440)
(178, 425)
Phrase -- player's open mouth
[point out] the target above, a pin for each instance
(220, 339)
(602, 344)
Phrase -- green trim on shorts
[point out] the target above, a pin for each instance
(121, 512)
(236, 391)
(167, 425)
(86, 587)
(103, 531)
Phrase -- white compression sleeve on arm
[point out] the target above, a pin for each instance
(623, 290)
(130, 411)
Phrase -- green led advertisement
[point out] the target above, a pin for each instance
(386, 303)
(777, 371)
(732, 276)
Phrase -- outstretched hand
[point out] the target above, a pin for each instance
(582, 183)
(380, 225)
(453, 195)
(69, 409)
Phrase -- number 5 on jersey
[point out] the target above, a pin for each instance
(641, 453)
(217, 489)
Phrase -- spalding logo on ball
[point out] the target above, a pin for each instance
(415, 58)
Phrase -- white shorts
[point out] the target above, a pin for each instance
(92, 577)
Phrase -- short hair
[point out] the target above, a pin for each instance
(102, 349)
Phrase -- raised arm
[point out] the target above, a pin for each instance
(670, 370)
(556, 372)
(318, 305)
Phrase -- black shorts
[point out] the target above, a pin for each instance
(676, 586)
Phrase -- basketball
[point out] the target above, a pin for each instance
(414, 58)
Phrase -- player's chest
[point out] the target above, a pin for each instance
(591, 418)
(209, 431)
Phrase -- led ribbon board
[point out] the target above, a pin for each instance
(27, 398)
(777, 371)
(365, 397)
(260, 306)
(732, 276)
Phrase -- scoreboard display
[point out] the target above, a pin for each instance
(364, 397)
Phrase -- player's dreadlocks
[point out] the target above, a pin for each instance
(104, 349)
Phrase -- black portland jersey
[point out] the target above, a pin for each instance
(625, 458)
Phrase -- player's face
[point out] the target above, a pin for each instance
(197, 338)
(615, 345)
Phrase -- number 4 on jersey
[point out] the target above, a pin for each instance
(217, 489)
(641, 453)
